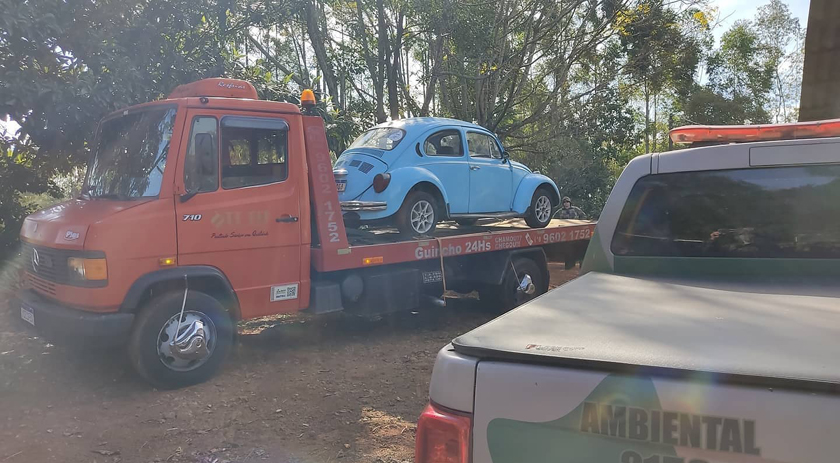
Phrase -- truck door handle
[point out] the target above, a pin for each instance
(475, 167)
(286, 219)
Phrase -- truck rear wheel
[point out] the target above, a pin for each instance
(172, 356)
(506, 296)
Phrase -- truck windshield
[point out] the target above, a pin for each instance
(129, 160)
(383, 138)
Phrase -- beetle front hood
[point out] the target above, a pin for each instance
(361, 164)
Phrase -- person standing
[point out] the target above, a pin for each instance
(568, 211)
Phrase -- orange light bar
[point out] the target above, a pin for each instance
(748, 133)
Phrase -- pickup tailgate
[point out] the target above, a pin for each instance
(627, 370)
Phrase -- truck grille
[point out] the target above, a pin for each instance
(40, 285)
(48, 265)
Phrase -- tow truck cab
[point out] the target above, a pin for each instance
(163, 206)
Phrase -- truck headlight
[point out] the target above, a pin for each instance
(88, 269)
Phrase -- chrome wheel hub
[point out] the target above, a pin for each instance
(191, 346)
(526, 286)
(422, 216)
(542, 208)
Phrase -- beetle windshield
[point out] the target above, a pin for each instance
(383, 138)
(130, 155)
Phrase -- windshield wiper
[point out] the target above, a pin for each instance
(116, 196)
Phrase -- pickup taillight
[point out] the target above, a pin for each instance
(443, 436)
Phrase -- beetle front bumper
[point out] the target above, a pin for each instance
(350, 206)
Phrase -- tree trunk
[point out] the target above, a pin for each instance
(647, 118)
(221, 17)
(383, 59)
(394, 70)
(436, 55)
(373, 69)
(313, 28)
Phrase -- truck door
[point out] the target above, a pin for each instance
(241, 210)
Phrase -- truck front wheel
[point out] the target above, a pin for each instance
(170, 354)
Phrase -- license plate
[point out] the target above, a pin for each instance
(340, 186)
(28, 315)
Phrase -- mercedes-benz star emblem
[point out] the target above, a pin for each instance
(36, 259)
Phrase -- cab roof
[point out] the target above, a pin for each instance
(217, 93)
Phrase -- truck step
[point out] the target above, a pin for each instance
(325, 297)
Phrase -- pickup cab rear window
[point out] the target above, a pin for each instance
(781, 212)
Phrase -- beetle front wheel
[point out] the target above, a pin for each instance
(539, 214)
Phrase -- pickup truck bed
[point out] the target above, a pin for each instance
(758, 334)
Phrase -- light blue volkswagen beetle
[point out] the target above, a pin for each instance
(417, 172)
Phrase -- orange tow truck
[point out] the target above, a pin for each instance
(212, 206)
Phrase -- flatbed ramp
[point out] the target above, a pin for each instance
(386, 246)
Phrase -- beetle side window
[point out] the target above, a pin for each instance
(483, 146)
(201, 164)
(253, 151)
(779, 212)
(444, 143)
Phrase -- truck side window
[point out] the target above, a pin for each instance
(483, 146)
(254, 151)
(779, 212)
(201, 164)
(444, 143)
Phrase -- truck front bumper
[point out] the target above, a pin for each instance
(61, 323)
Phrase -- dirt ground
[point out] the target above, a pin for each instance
(320, 390)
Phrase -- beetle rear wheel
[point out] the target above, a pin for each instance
(418, 214)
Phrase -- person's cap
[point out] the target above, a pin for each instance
(566, 198)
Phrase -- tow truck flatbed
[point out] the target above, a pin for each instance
(387, 246)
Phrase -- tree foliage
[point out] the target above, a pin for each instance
(573, 87)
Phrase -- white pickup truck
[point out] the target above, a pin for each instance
(705, 327)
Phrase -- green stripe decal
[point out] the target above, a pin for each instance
(598, 430)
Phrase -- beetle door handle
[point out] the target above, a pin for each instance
(286, 219)
(475, 167)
